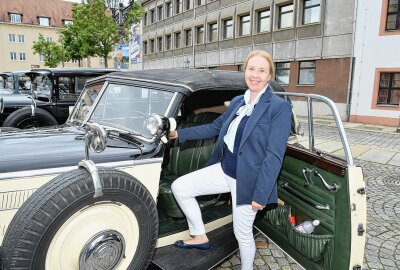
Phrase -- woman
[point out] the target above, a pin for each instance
(252, 136)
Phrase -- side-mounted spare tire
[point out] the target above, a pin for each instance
(61, 226)
(22, 118)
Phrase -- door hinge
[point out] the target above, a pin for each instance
(361, 190)
(360, 229)
(357, 267)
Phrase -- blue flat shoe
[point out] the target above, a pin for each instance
(181, 244)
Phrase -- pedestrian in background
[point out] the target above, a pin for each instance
(252, 137)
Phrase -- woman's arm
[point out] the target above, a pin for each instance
(275, 152)
(209, 130)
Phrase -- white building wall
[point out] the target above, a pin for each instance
(371, 52)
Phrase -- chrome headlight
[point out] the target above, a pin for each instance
(159, 125)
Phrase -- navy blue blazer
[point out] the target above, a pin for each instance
(261, 149)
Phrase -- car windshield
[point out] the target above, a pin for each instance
(42, 84)
(122, 106)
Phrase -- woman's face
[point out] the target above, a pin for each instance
(257, 73)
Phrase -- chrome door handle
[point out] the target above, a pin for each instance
(306, 180)
(333, 187)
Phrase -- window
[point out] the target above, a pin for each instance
(263, 21)
(213, 32)
(145, 47)
(228, 29)
(200, 2)
(159, 44)
(200, 35)
(188, 37)
(311, 11)
(44, 21)
(152, 46)
(11, 37)
(102, 61)
(49, 39)
(152, 16)
(21, 38)
(168, 9)
(145, 19)
(13, 56)
(282, 73)
(168, 42)
(393, 15)
(15, 18)
(244, 28)
(285, 16)
(307, 73)
(41, 58)
(22, 57)
(178, 6)
(389, 89)
(67, 22)
(177, 40)
(160, 12)
(188, 4)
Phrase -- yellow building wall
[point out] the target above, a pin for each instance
(31, 34)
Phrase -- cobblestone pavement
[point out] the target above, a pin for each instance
(383, 201)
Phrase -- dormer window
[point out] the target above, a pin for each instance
(15, 18)
(67, 22)
(44, 21)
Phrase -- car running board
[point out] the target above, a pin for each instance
(223, 245)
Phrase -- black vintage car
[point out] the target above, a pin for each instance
(15, 82)
(64, 207)
(51, 94)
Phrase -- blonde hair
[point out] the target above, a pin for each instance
(267, 57)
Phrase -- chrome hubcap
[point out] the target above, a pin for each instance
(103, 251)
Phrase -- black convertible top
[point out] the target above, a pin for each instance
(192, 79)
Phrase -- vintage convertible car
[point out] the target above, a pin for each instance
(52, 93)
(15, 82)
(64, 207)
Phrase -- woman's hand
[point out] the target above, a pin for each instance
(173, 135)
(257, 206)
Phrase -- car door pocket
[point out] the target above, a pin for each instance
(315, 247)
(304, 198)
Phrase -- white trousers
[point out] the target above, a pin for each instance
(212, 180)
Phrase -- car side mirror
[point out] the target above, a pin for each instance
(95, 139)
(158, 126)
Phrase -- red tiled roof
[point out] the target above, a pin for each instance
(56, 10)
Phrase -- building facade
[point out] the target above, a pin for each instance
(311, 41)
(376, 82)
(22, 21)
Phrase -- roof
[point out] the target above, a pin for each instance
(192, 79)
(74, 70)
(58, 11)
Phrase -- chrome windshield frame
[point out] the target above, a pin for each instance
(133, 132)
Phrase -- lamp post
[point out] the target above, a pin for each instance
(119, 13)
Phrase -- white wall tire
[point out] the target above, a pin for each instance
(62, 220)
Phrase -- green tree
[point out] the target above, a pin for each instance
(134, 15)
(71, 43)
(97, 32)
(51, 51)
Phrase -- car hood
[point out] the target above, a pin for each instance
(52, 148)
(20, 100)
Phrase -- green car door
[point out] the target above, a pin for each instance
(319, 185)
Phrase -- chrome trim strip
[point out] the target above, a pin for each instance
(167, 111)
(339, 124)
(59, 170)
